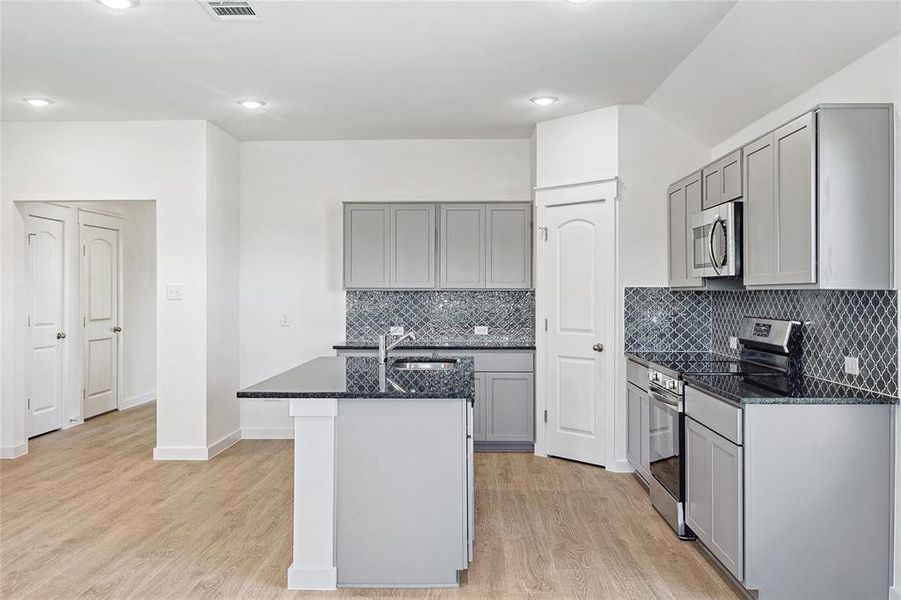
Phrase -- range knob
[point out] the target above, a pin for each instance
(671, 384)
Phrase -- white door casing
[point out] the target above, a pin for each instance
(44, 273)
(579, 302)
(100, 287)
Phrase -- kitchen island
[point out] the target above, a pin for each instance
(383, 474)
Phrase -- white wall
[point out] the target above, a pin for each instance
(577, 148)
(162, 161)
(223, 416)
(291, 229)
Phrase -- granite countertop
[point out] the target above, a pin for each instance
(804, 390)
(443, 345)
(364, 377)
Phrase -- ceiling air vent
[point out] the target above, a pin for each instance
(231, 10)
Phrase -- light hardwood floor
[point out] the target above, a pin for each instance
(88, 514)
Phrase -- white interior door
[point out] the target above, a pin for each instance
(578, 288)
(44, 363)
(100, 310)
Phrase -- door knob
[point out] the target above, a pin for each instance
(60, 336)
(598, 347)
(117, 329)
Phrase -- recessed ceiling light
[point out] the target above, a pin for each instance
(118, 4)
(39, 102)
(544, 100)
(252, 104)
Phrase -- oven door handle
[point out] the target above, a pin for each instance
(658, 397)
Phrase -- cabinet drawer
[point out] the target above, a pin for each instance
(720, 416)
(498, 362)
(637, 374)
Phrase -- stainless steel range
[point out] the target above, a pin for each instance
(769, 355)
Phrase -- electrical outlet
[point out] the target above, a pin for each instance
(733, 342)
(481, 330)
(852, 365)
(174, 292)
(283, 320)
(396, 330)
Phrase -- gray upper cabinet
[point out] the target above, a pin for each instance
(367, 230)
(818, 201)
(462, 246)
(412, 242)
(509, 237)
(447, 246)
(684, 202)
(722, 180)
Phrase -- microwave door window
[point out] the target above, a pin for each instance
(701, 247)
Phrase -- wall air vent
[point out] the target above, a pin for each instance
(231, 10)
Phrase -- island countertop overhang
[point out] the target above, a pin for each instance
(365, 377)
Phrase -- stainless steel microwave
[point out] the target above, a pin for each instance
(716, 241)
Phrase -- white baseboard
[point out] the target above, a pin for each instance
(9, 452)
(224, 444)
(198, 453)
(137, 400)
(894, 593)
(267, 433)
(621, 466)
(311, 578)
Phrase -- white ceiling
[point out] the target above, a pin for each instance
(382, 70)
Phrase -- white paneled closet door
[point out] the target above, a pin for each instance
(44, 274)
(578, 291)
(100, 310)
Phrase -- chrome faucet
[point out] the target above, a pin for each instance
(385, 347)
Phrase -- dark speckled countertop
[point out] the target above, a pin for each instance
(443, 345)
(744, 390)
(364, 377)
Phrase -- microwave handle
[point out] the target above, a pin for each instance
(713, 260)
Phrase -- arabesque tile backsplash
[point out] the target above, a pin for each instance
(837, 323)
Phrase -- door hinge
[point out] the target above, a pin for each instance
(82, 394)
(84, 321)
(545, 324)
(29, 321)
(28, 403)
(84, 250)
(545, 415)
(544, 232)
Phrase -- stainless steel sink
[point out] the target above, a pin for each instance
(438, 364)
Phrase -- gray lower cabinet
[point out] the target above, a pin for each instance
(412, 243)
(461, 243)
(480, 410)
(684, 202)
(510, 407)
(509, 248)
(367, 231)
(638, 438)
(714, 496)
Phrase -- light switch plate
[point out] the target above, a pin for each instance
(481, 330)
(733, 342)
(397, 330)
(174, 292)
(852, 365)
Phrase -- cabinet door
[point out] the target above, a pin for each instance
(412, 256)
(511, 407)
(480, 410)
(726, 519)
(462, 246)
(698, 495)
(730, 177)
(795, 170)
(367, 229)
(684, 202)
(712, 183)
(633, 414)
(758, 230)
(509, 235)
(645, 456)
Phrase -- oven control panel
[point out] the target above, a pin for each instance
(670, 384)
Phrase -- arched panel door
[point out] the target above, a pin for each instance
(100, 310)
